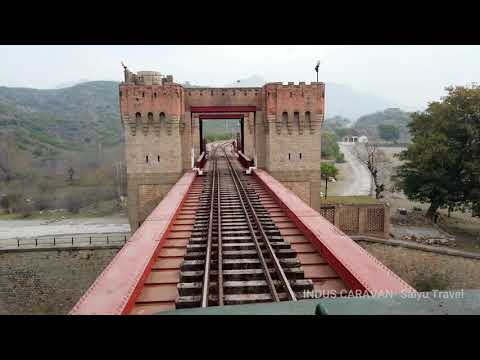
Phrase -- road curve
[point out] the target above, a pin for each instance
(359, 181)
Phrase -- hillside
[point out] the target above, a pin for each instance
(336, 122)
(368, 124)
(45, 122)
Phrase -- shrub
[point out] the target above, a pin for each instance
(340, 158)
(44, 186)
(73, 203)
(25, 209)
(11, 202)
(44, 202)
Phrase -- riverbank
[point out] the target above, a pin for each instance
(38, 228)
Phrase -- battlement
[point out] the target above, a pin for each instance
(291, 84)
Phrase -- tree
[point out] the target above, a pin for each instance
(71, 172)
(442, 165)
(376, 163)
(328, 170)
(388, 132)
(11, 202)
(7, 156)
(330, 148)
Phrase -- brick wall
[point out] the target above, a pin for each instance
(372, 220)
(48, 281)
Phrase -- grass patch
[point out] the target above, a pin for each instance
(430, 282)
(13, 216)
(350, 200)
(102, 208)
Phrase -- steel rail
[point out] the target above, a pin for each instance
(206, 272)
(219, 242)
(270, 283)
(278, 268)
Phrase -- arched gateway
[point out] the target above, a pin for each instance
(161, 119)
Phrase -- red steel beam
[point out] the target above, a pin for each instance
(357, 268)
(222, 109)
(244, 160)
(202, 159)
(220, 116)
(114, 292)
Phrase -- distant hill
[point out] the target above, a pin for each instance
(46, 122)
(73, 118)
(341, 100)
(336, 122)
(71, 83)
(368, 124)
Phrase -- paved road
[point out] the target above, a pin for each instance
(358, 178)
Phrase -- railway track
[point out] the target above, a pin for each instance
(264, 256)
(236, 253)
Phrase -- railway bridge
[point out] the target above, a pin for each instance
(237, 224)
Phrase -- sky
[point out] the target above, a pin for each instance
(408, 75)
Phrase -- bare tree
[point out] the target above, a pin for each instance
(120, 179)
(7, 149)
(71, 172)
(376, 163)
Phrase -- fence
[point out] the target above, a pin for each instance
(359, 219)
(64, 241)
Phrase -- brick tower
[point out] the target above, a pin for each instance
(293, 118)
(151, 107)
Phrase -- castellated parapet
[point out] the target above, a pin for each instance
(281, 132)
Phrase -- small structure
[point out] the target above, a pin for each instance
(350, 139)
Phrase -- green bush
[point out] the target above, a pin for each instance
(340, 158)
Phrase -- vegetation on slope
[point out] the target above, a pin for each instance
(47, 122)
(330, 148)
(369, 124)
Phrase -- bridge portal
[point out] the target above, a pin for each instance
(161, 120)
